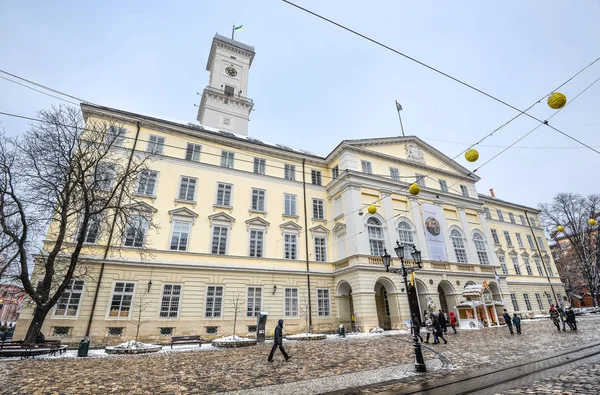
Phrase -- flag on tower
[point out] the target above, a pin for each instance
(238, 28)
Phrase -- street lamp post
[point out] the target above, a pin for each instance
(405, 271)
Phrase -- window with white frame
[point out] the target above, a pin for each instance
(318, 208)
(337, 206)
(507, 238)
(523, 222)
(530, 241)
(549, 298)
(68, 304)
(290, 172)
(315, 176)
(538, 298)
(192, 152)
(257, 238)
(538, 265)
(443, 185)
(214, 301)
(527, 266)
(155, 144)
(366, 167)
(335, 172)
(495, 236)
(227, 159)
(464, 190)
(259, 165)
(136, 232)
(420, 179)
(180, 235)
(92, 232)
(253, 301)
(291, 302)
(223, 194)
(527, 302)
(541, 243)
(290, 246)
(219, 240)
(394, 174)
(120, 304)
(532, 222)
(519, 240)
(323, 306)
(376, 240)
(289, 204)
(169, 305)
(511, 217)
(187, 188)
(105, 176)
(115, 136)
(459, 246)
(147, 182)
(258, 199)
(480, 247)
(320, 249)
(405, 236)
(488, 215)
(500, 216)
(515, 262)
(502, 261)
(549, 267)
(515, 304)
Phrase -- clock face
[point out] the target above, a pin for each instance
(231, 71)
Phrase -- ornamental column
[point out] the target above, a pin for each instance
(471, 250)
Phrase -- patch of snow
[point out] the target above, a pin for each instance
(377, 330)
(233, 338)
(133, 345)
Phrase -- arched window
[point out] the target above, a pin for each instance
(405, 236)
(459, 246)
(480, 247)
(375, 236)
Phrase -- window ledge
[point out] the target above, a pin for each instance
(185, 201)
(290, 216)
(257, 212)
(222, 206)
(319, 220)
(338, 217)
(498, 244)
(143, 195)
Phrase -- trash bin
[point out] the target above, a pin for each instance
(84, 347)
(342, 331)
(261, 323)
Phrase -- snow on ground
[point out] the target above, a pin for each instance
(233, 338)
(133, 345)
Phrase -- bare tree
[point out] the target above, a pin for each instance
(236, 303)
(304, 310)
(573, 211)
(75, 179)
(140, 303)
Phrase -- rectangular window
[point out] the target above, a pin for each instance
(115, 331)
(290, 246)
(538, 264)
(315, 177)
(549, 297)
(500, 216)
(335, 172)
(121, 299)
(527, 266)
(530, 241)
(513, 298)
(420, 179)
(93, 230)
(223, 194)
(219, 240)
(61, 331)
(549, 267)
(214, 301)
(487, 213)
(323, 307)
(538, 298)
(166, 332)
(227, 159)
(503, 264)
(464, 190)
(257, 238)
(290, 172)
(136, 232)
(532, 222)
(337, 206)
(115, 136)
(291, 302)
(519, 240)
(443, 185)
(320, 249)
(495, 236)
(523, 222)
(258, 200)
(169, 305)
(259, 166)
(289, 203)
(192, 152)
(180, 236)
(253, 301)
(105, 176)
(68, 304)
(366, 167)
(511, 217)
(527, 302)
(229, 90)
(508, 239)
(318, 209)
(541, 243)
(187, 189)
(515, 262)
(155, 144)
(147, 182)
(395, 173)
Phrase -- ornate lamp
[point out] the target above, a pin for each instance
(416, 254)
(386, 260)
(399, 250)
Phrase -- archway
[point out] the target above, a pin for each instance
(345, 305)
(416, 299)
(385, 303)
(447, 296)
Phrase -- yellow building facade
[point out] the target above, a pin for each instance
(253, 226)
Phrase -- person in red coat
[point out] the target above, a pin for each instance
(453, 321)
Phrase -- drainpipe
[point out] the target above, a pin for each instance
(110, 235)
(306, 244)
(541, 258)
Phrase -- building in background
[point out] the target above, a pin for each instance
(10, 296)
(243, 218)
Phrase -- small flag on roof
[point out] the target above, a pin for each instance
(238, 28)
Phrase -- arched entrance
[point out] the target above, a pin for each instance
(447, 296)
(416, 299)
(385, 297)
(345, 305)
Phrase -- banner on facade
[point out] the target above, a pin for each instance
(432, 215)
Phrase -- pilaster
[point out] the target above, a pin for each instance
(471, 250)
(446, 233)
(415, 213)
(488, 238)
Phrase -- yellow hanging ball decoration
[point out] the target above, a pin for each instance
(372, 209)
(471, 155)
(591, 222)
(414, 189)
(560, 228)
(557, 100)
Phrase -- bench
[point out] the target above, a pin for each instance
(24, 350)
(186, 340)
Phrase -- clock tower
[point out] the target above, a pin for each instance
(224, 104)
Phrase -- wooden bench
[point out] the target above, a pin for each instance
(24, 350)
(186, 340)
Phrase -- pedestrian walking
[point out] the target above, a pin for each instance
(563, 317)
(278, 342)
(508, 321)
(517, 323)
(438, 333)
(571, 319)
(442, 320)
(555, 317)
(429, 327)
(416, 326)
(453, 321)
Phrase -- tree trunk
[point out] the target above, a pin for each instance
(137, 332)
(234, 322)
(36, 324)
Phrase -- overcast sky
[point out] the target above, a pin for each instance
(314, 84)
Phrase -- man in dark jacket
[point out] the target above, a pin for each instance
(517, 322)
(508, 321)
(442, 321)
(278, 342)
(571, 319)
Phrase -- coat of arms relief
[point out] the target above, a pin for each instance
(413, 152)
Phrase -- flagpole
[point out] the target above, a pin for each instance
(400, 118)
(232, 31)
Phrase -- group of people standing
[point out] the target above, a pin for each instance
(567, 316)
(436, 325)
